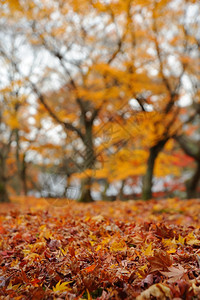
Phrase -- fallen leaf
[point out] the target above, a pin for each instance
(61, 287)
(163, 231)
(148, 251)
(159, 291)
(118, 246)
(181, 240)
(192, 240)
(174, 273)
(90, 268)
(88, 295)
(160, 261)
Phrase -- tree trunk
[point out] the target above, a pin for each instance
(89, 157)
(121, 191)
(3, 189)
(86, 191)
(104, 195)
(18, 163)
(24, 175)
(3, 192)
(148, 177)
(193, 183)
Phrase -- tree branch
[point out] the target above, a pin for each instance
(66, 125)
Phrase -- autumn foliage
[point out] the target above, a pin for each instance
(101, 95)
(123, 250)
(99, 100)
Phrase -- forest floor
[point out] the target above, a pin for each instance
(59, 249)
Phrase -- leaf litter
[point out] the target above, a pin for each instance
(120, 250)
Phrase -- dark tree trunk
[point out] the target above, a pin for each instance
(89, 157)
(191, 148)
(121, 191)
(3, 192)
(193, 183)
(3, 180)
(18, 163)
(104, 193)
(24, 176)
(148, 177)
(86, 191)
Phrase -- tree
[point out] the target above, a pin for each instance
(15, 127)
(188, 139)
(78, 77)
(191, 148)
(188, 135)
(143, 56)
(148, 76)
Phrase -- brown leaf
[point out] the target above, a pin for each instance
(175, 273)
(147, 281)
(160, 261)
(164, 232)
(71, 251)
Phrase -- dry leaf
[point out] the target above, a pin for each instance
(159, 291)
(160, 261)
(174, 273)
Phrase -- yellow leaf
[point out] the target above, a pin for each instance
(173, 250)
(192, 240)
(38, 247)
(13, 287)
(26, 251)
(61, 287)
(148, 251)
(141, 271)
(113, 266)
(44, 232)
(92, 237)
(171, 244)
(14, 263)
(118, 246)
(88, 294)
(98, 248)
(64, 252)
(168, 242)
(181, 240)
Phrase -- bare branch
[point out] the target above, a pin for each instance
(66, 125)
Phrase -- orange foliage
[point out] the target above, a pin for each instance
(123, 250)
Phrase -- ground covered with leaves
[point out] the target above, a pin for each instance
(120, 250)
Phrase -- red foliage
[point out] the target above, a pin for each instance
(120, 250)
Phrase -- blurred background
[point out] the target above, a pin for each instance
(100, 99)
